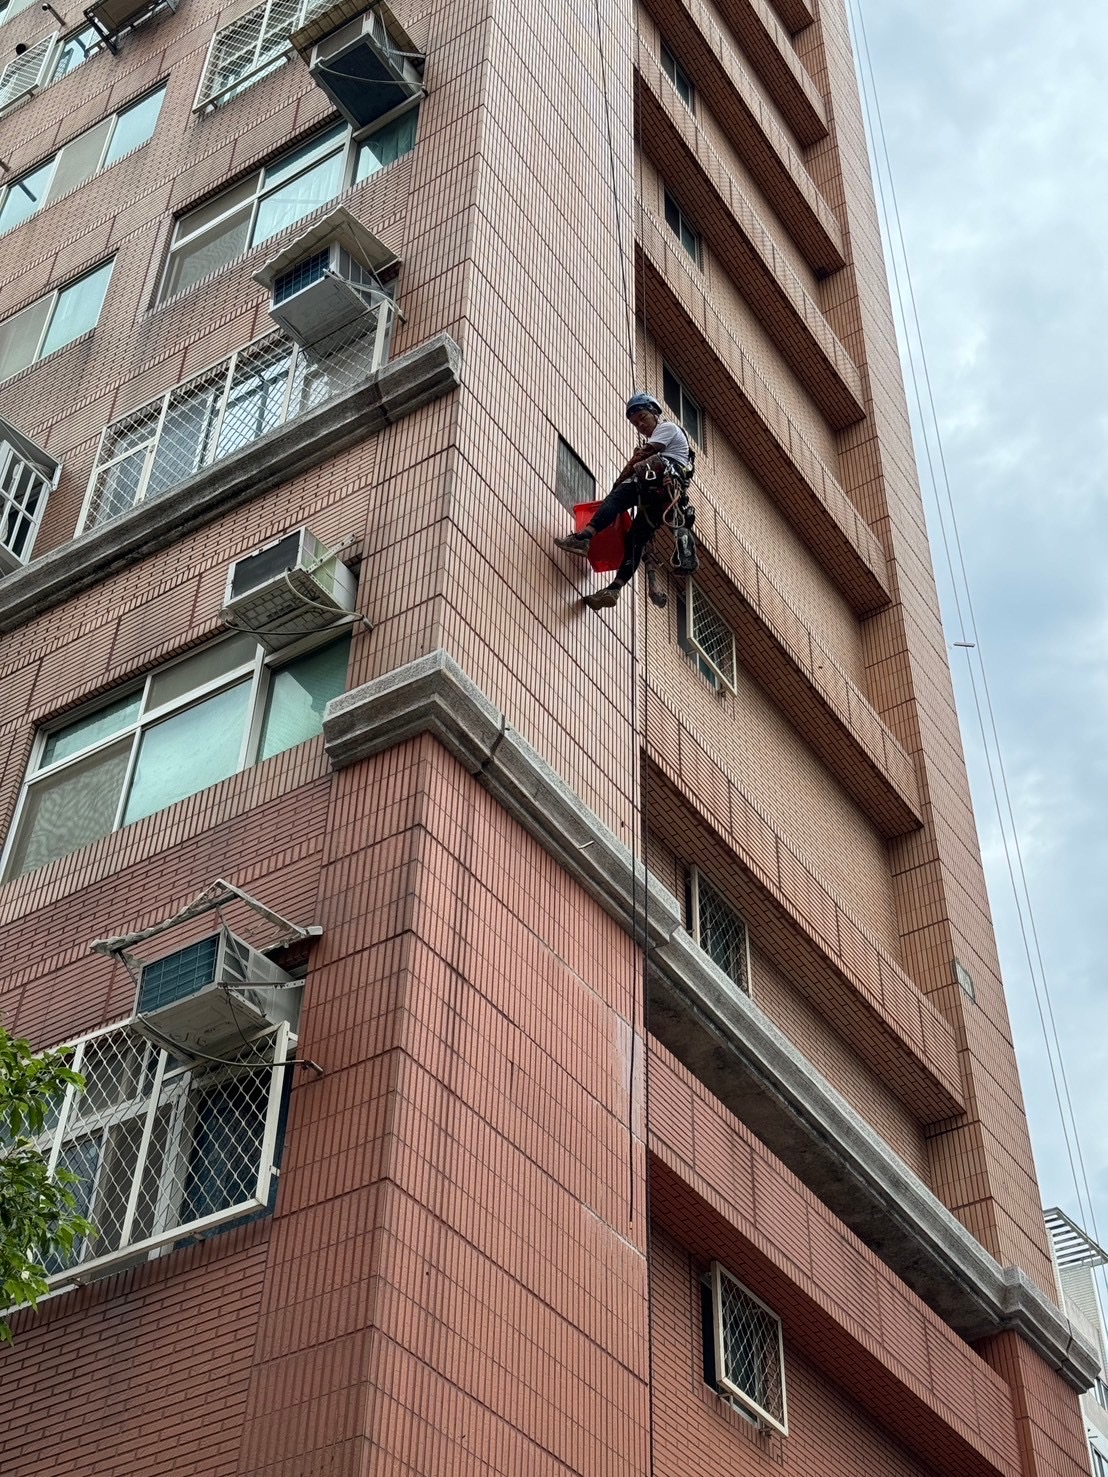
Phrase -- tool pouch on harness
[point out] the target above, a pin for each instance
(681, 517)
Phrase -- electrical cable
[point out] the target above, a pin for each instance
(941, 480)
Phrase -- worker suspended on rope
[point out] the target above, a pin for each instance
(656, 481)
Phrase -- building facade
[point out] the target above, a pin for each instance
(518, 1039)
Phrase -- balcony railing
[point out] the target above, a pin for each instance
(154, 448)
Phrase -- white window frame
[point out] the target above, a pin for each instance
(715, 675)
(687, 406)
(720, 1275)
(350, 144)
(13, 513)
(259, 670)
(169, 1087)
(47, 322)
(696, 882)
(48, 45)
(306, 10)
(682, 82)
(682, 228)
(52, 160)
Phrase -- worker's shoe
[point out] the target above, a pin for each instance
(603, 599)
(574, 543)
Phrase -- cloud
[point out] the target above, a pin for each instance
(994, 124)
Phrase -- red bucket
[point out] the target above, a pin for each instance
(606, 549)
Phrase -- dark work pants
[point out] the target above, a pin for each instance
(652, 499)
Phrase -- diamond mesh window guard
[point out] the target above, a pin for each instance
(260, 387)
(250, 48)
(710, 636)
(750, 1359)
(162, 1148)
(718, 929)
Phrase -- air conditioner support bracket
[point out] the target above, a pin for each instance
(217, 896)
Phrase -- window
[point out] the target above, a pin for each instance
(683, 406)
(53, 321)
(73, 51)
(82, 157)
(276, 197)
(250, 48)
(189, 725)
(1100, 1393)
(748, 1351)
(156, 447)
(573, 483)
(706, 638)
(675, 220)
(9, 8)
(1100, 1463)
(717, 928)
(684, 88)
(24, 488)
(162, 1148)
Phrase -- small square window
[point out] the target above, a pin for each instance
(573, 482)
(749, 1350)
(706, 638)
(685, 409)
(717, 928)
(679, 225)
(680, 79)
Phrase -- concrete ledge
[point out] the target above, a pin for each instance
(766, 42)
(716, 1031)
(395, 391)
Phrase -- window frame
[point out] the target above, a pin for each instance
(685, 407)
(51, 161)
(179, 1143)
(305, 11)
(695, 880)
(682, 227)
(683, 84)
(349, 146)
(54, 295)
(687, 639)
(735, 1391)
(259, 672)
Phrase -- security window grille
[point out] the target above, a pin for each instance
(676, 221)
(684, 407)
(749, 1351)
(23, 493)
(718, 929)
(276, 197)
(25, 72)
(676, 74)
(706, 638)
(53, 321)
(573, 483)
(90, 152)
(271, 381)
(189, 725)
(163, 1149)
(250, 48)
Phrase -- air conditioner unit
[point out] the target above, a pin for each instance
(328, 278)
(287, 590)
(112, 17)
(211, 997)
(27, 477)
(362, 69)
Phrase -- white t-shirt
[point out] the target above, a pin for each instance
(671, 441)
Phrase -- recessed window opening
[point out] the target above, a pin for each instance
(53, 321)
(679, 77)
(685, 409)
(679, 225)
(747, 1359)
(185, 727)
(717, 928)
(83, 157)
(277, 196)
(706, 638)
(573, 483)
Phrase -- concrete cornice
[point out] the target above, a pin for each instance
(719, 1033)
(393, 392)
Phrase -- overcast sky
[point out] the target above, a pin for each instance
(994, 123)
